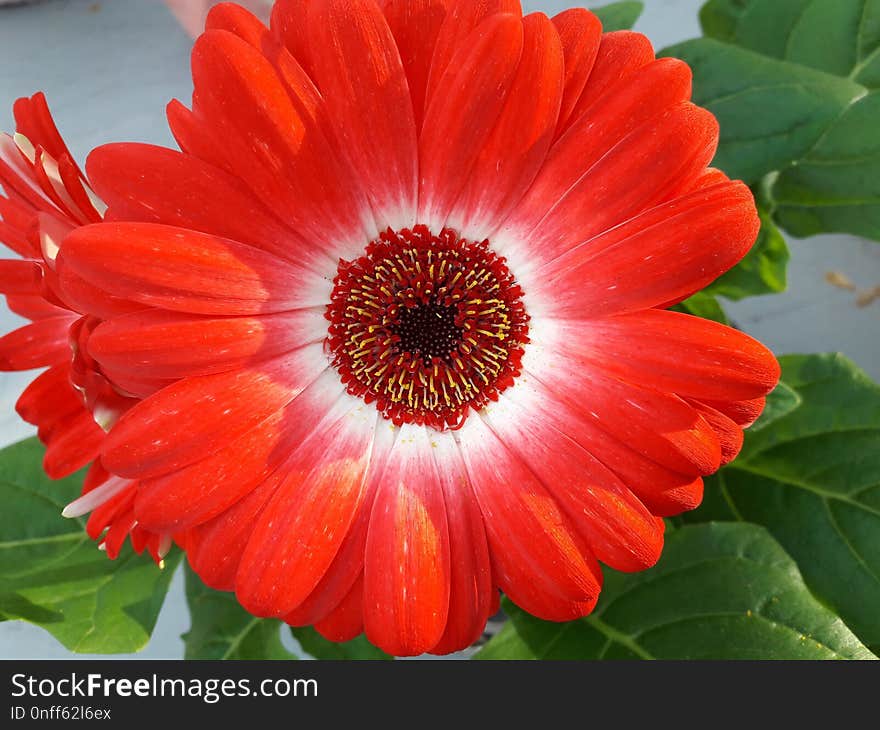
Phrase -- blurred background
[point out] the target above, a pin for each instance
(109, 67)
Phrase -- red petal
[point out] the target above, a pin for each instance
(471, 592)
(462, 18)
(83, 198)
(33, 307)
(34, 120)
(416, 25)
(18, 177)
(214, 548)
(653, 90)
(407, 562)
(729, 434)
(53, 166)
(75, 446)
(620, 55)
(743, 413)
(160, 344)
(538, 558)
(272, 143)
(290, 26)
(632, 177)
(145, 183)
(300, 531)
(16, 222)
(675, 500)
(61, 183)
(237, 19)
(201, 491)
(74, 292)
(20, 277)
(14, 239)
(496, 603)
(659, 425)
(116, 511)
(463, 111)
(580, 32)
(51, 186)
(186, 271)
(36, 345)
(663, 491)
(194, 136)
(707, 179)
(346, 621)
(676, 248)
(48, 394)
(195, 417)
(301, 88)
(518, 145)
(50, 402)
(244, 24)
(18, 215)
(677, 353)
(118, 532)
(359, 72)
(131, 386)
(348, 564)
(95, 476)
(48, 234)
(620, 531)
(85, 298)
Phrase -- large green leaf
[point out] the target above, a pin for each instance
(772, 112)
(52, 574)
(318, 647)
(619, 16)
(836, 187)
(812, 477)
(823, 151)
(720, 591)
(782, 401)
(841, 37)
(221, 629)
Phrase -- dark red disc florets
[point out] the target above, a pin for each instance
(426, 326)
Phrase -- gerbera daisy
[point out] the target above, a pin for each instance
(45, 196)
(405, 338)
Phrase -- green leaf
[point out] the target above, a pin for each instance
(720, 591)
(703, 304)
(826, 168)
(836, 186)
(53, 575)
(762, 271)
(317, 646)
(719, 19)
(772, 113)
(812, 478)
(221, 629)
(841, 37)
(782, 401)
(619, 16)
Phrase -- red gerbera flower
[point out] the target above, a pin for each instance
(47, 196)
(404, 340)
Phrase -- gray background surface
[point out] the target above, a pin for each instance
(108, 69)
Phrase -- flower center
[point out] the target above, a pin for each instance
(426, 326)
